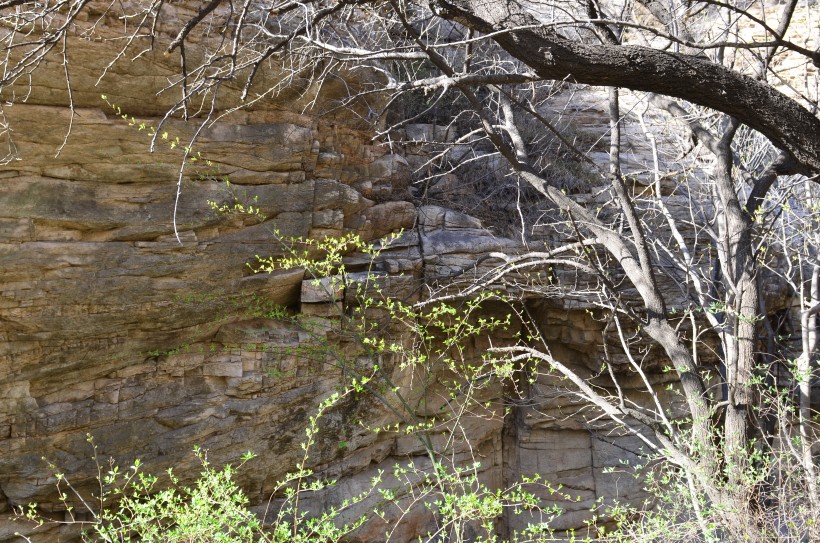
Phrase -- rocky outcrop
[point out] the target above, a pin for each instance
(154, 340)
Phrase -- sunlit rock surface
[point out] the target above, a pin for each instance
(155, 338)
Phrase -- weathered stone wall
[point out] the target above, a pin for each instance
(110, 326)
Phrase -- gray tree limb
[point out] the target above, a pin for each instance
(787, 124)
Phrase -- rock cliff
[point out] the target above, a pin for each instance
(111, 326)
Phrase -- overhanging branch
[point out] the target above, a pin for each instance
(785, 122)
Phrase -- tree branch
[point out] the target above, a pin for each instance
(786, 123)
(192, 22)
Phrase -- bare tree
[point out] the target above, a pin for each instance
(498, 60)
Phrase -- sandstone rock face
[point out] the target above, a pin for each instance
(154, 341)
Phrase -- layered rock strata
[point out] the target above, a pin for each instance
(154, 340)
